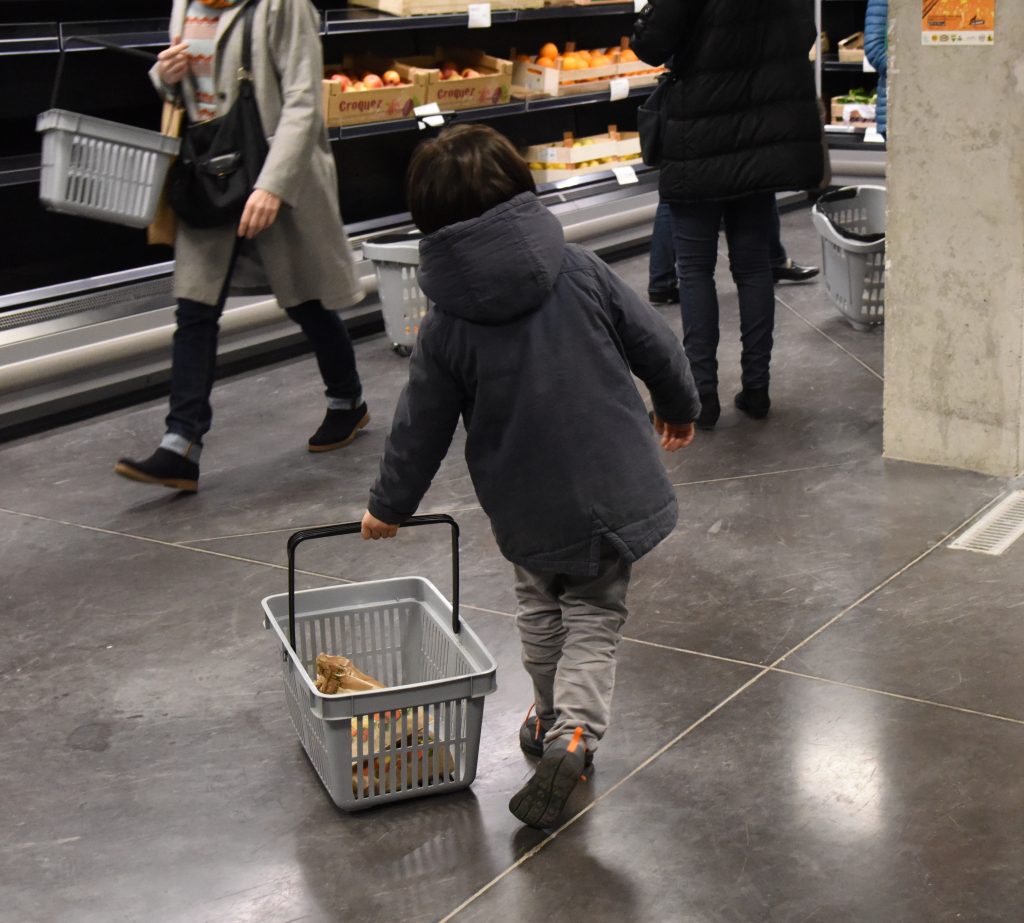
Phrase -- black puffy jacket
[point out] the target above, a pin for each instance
(742, 110)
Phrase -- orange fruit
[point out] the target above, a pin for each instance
(628, 54)
(546, 62)
(571, 63)
(549, 50)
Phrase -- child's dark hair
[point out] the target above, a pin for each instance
(460, 174)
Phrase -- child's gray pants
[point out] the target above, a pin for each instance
(570, 628)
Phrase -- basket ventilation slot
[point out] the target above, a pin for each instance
(997, 530)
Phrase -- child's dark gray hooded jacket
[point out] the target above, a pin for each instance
(532, 341)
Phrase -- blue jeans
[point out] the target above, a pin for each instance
(662, 270)
(748, 230)
(194, 360)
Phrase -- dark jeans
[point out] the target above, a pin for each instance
(748, 231)
(662, 270)
(194, 358)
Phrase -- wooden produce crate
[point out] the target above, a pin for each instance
(552, 173)
(357, 107)
(437, 7)
(491, 88)
(580, 156)
(851, 49)
(858, 115)
(533, 78)
(575, 151)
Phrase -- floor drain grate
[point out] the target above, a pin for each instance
(997, 530)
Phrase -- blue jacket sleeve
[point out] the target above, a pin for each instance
(421, 432)
(876, 29)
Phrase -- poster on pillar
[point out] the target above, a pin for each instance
(958, 22)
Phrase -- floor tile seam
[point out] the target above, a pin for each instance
(881, 586)
(898, 695)
(835, 343)
(522, 860)
(771, 668)
(297, 528)
(763, 474)
(179, 546)
(640, 641)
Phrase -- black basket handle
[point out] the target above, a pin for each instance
(148, 56)
(350, 528)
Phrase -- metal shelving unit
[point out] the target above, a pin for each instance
(72, 342)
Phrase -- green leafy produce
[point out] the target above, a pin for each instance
(859, 96)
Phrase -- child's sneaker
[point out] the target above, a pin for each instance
(541, 801)
(531, 734)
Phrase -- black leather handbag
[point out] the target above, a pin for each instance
(220, 160)
(651, 118)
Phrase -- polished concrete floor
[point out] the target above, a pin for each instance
(819, 713)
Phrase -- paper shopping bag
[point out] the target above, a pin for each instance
(165, 222)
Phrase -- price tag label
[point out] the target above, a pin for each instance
(428, 116)
(871, 136)
(868, 69)
(638, 5)
(618, 88)
(625, 175)
(479, 16)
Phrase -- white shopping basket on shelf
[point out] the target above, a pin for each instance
(396, 258)
(421, 734)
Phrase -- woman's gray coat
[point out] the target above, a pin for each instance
(304, 254)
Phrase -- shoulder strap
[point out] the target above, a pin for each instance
(249, 14)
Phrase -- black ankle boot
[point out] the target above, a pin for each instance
(338, 429)
(754, 402)
(162, 467)
(710, 411)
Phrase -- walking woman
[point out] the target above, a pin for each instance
(739, 122)
(291, 223)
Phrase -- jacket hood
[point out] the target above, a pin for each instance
(495, 268)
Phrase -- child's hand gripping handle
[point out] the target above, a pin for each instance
(354, 528)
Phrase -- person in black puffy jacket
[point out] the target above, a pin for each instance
(739, 122)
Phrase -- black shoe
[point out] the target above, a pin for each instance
(162, 467)
(793, 272)
(663, 296)
(754, 402)
(710, 411)
(338, 429)
(531, 737)
(541, 801)
(531, 734)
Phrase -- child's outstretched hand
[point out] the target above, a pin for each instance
(374, 528)
(674, 436)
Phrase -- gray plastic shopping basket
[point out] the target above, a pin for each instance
(421, 734)
(99, 169)
(851, 223)
(403, 304)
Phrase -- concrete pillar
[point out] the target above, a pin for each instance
(954, 303)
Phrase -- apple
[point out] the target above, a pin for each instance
(336, 78)
(469, 72)
(372, 82)
(392, 78)
(358, 85)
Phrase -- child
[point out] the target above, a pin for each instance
(534, 342)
